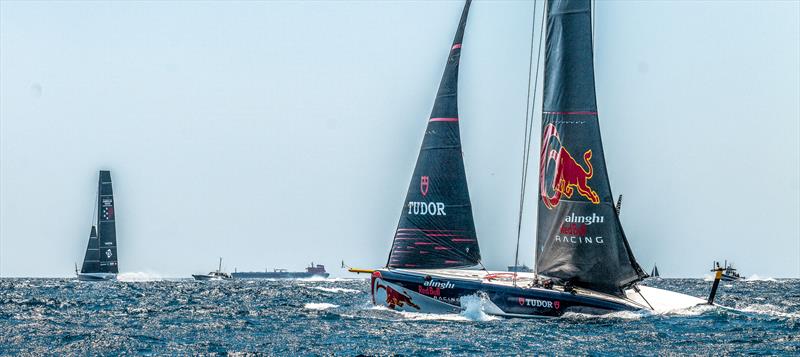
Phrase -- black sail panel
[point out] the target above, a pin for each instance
(107, 232)
(436, 229)
(91, 261)
(579, 235)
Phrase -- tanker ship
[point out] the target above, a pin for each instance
(314, 270)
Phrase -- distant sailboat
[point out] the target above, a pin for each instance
(100, 261)
(654, 272)
(583, 260)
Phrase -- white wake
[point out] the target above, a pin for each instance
(138, 277)
(319, 306)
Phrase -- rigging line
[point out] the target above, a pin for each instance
(592, 5)
(526, 139)
(535, 88)
(636, 288)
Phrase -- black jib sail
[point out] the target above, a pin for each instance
(436, 229)
(91, 261)
(107, 232)
(579, 237)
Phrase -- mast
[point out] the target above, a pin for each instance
(436, 228)
(106, 224)
(579, 235)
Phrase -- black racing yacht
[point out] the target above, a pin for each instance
(583, 263)
(100, 261)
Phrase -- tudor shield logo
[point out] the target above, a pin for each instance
(424, 207)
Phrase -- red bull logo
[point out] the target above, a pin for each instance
(568, 175)
(395, 298)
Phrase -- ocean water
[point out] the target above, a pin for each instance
(336, 317)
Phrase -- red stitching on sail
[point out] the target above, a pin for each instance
(571, 113)
(443, 119)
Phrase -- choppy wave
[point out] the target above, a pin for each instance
(330, 280)
(335, 290)
(755, 277)
(182, 317)
(772, 310)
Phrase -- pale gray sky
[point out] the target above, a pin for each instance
(277, 133)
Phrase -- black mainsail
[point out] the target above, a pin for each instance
(436, 229)
(91, 261)
(579, 237)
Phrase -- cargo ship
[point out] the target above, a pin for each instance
(314, 270)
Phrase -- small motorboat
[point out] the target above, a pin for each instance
(729, 273)
(214, 275)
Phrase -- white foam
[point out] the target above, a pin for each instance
(694, 310)
(769, 309)
(755, 277)
(421, 316)
(623, 315)
(335, 290)
(319, 306)
(475, 308)
(138, 277)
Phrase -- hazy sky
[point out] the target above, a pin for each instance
(277, 133)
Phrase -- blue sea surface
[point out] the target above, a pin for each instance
(337, 317)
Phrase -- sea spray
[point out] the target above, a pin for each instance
(475, 308)
(138, 277)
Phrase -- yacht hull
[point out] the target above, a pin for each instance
(208, 277)
(96, 276)
(726, 277)
(440, 291)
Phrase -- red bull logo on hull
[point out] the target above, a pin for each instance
(394, 298)
(568, 175)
